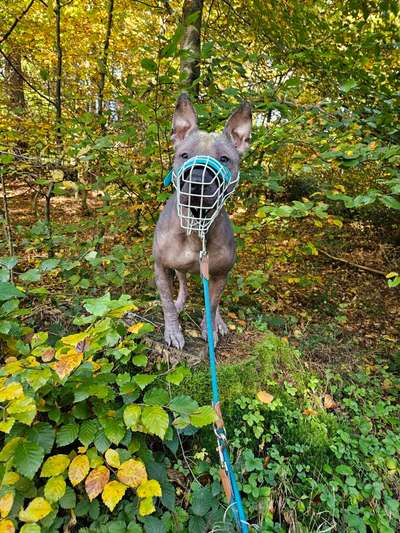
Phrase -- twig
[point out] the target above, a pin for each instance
(14, 24)
(355, 265)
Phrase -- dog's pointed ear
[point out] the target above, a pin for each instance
(184, 121)
(238, 127)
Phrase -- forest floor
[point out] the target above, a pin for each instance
(333, 311)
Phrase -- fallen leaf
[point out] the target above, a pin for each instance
(96, 481)
(329, 402)
(135, 328)
(264, 397)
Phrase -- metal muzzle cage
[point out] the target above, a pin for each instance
(202, 184)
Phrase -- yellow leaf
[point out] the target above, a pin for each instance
(391, 275)
(113, 493)
(149, 488)
(66, 364)
(146, 506)
(36, 510)
(73, 340)
(6, 502)
(6, 526)
(112, 458)
(7, 425)
(55, 465)
(309, 411)
(96, 481)
(264, 397)
(78, 469)
(55, 489)
(135, 328)
(12, 391)
(132, 473)
(10, 478)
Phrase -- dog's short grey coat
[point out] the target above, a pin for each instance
(172, 248)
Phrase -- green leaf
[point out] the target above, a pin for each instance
(28, 457)
(184, 405)
(144, 379)
(202, 501)
(203, 416)
(348, 85)
(88, 432)
(140, 360)
(42, 434)
(67, 434)
(390, 202)
(131, 416)
(30, 528)
(8, 291)
(149, 64)
(49, 264)
(98, 306)
(344, 470)
(114, 429)
(156, 396)
(33, 274)
(68, 501)
(155, 419)
(178, 375)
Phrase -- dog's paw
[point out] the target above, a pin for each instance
(173, 336)
(220, 325)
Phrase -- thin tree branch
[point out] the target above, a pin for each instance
(362, 267)
(16, 21)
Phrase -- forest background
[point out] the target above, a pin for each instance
(102, 428)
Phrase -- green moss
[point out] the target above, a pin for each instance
(271, 359)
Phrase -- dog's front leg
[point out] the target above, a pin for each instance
(173, 333)
(217, 285)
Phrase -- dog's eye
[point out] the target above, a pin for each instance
(184, 155)
(224, 159)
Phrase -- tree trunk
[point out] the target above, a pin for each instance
(15, 82)
(190, 62)
(104, 58)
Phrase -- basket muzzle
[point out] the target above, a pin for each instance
(202, 185)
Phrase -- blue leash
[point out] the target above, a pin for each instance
(227, 474)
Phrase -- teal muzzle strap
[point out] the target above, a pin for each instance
(199, 161)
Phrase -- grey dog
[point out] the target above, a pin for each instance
(173, 249)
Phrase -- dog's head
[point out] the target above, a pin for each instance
(227, 146)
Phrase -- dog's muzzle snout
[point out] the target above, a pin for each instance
(202, 184)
